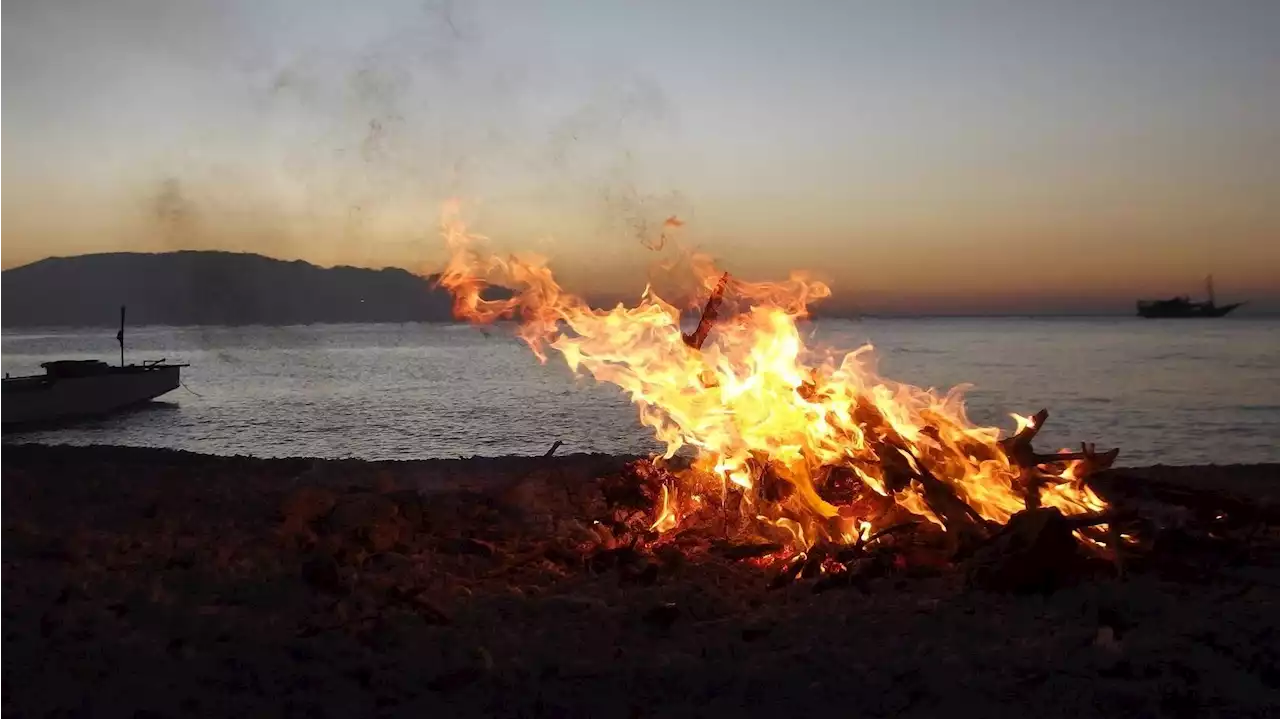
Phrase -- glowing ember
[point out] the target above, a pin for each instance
(771, 422)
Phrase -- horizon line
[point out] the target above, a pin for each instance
(19, 329)
(845, 307)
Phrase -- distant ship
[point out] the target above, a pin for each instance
(1179, 307)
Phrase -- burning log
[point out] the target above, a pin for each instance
(637, 487)
(840, 579)
(750, 550)
(954, 512)
(900, 467)
(839, 485)
(889, 531)
(1032, 480)
(856, 574)
(1018, 447)
(1023, 456)
(709, 312)
(1091, 461)
(1035, 551)
(813, 565)
(944, 501)
(1020, 452)
(1080, 521)
(789, 571)
(772, 487)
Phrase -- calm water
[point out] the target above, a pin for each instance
(1176, 392)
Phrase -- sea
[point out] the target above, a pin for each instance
(1164, 392)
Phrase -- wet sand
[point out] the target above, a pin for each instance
(158, 583)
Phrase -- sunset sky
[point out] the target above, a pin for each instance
(930, 156)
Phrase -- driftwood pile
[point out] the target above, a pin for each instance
(1037, 547)
(1150, 526)
(541, 531)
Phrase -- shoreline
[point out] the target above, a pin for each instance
(183, 584)
(1259, 480)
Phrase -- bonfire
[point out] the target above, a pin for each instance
(798, 454)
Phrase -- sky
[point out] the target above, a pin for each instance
(980, 156)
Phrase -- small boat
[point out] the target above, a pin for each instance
(1184, 307)
(77, 389)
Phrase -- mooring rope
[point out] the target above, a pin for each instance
(184, 386)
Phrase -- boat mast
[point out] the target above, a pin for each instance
(1208, 282)
(120, 335)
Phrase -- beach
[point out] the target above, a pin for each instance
(151, 582)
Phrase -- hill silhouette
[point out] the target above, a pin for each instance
(211, 288)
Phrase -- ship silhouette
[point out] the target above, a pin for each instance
(1182, 307)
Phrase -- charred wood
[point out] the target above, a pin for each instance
(813, 565)
(789, 571)
(1035, 552)
(1093, 462)
(709, 312)
(1032, 480)
(954, 512)
(751, 550)
(857, 574)
(890, 531)
(1018, 447)
(899, 467)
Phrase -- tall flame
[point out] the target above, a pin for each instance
(755, 405)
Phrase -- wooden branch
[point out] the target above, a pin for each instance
(900, 466)
(699, 335)
(735, 552)
(889, 531)
(1032, 481)
(1018, 447)
(1058, 457)
(1023, 456)
(953, 511)
(1111, 516)
(857, 574)
(1020, 452)
(1035, 551)
(1087, 454)
(1094, 462)
(789, 571)
(553, 449)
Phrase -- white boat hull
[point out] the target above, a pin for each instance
(39, 400)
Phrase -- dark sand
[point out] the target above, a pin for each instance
(157, 583)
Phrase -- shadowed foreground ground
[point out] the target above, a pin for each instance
(159, 583)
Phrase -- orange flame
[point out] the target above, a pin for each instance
(755, 391)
